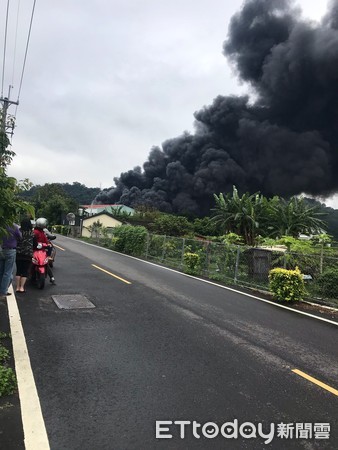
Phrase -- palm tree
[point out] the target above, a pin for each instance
(241, 215)
(294, 216)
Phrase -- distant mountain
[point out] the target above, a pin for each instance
(80, 193)
(76, 191)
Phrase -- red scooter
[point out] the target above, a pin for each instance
(40, 261)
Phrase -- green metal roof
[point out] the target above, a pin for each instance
(95, 209)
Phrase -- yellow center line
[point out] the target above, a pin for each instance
(60, 248)
(111, 274)
(315, 381)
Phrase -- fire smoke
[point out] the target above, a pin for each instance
(285, 143)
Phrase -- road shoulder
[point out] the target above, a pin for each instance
(11, 429)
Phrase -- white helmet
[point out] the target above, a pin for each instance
(41, 222)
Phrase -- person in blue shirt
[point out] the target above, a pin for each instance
(7, 257)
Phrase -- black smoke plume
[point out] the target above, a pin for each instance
(285, 143)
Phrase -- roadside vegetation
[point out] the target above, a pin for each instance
(286, 285)
(225, 246)
(219, 246)
(243, 242)
(7, 376)
(11, 207)
(76, 192)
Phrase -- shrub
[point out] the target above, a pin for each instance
(62, 229)
(232, 239)
(327, 283)
(191, 263)
(57, 228)
(206, 227)
(169, 248)
(113, 242)
(155, 247)
(4, 354)
(106, 242)
(7, 381)
(131, 240)
(286, 285)
(171, 225)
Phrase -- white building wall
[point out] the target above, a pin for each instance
(107, 222)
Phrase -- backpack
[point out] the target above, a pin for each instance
(25, 245)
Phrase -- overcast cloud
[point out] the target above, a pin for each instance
(106, 80)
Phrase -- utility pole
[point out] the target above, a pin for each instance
(7, 123)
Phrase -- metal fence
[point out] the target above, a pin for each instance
(240, 265)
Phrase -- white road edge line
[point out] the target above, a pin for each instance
(34, 429)
(214, 284)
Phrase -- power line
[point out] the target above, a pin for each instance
(26, 51)
(4, 57)
(15, 40)
(7, 123)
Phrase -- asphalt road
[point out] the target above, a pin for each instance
(168, 347)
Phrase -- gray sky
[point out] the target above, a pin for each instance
(105, 80)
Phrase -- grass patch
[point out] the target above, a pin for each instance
(4, 354)
(8, 382)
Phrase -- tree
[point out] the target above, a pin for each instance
(76, 191)
(254, 216)
(47, 191)
(52, 202)
(80, 193)
(118, 213)
(171, 225)
(241, 215)
(54, 209)
(294, 216)
(232, 239)
(10, 204)
(6, 155)
(95, 229)
(331, 216)
(206, 227)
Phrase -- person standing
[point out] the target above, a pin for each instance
(7, 258)
(24, 253)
